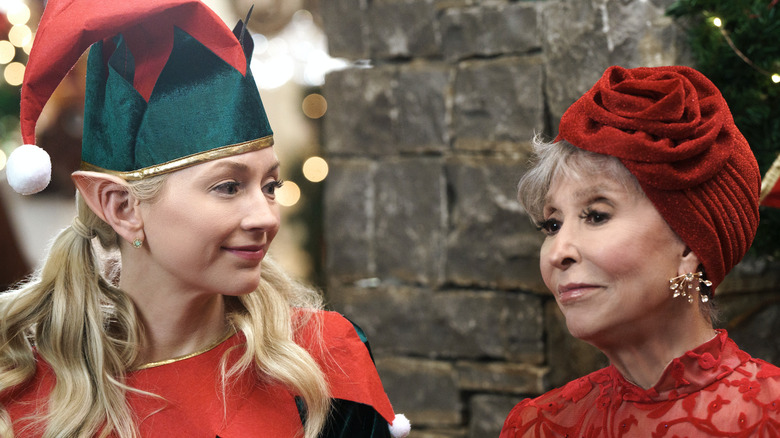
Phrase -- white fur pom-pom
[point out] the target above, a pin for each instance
(28, 169)
(400, 427)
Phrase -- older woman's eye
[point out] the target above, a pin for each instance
(550, 226)
(594, 217)
(228, 188)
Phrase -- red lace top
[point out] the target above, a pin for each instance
(715, 390)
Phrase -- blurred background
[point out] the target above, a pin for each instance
(403, 127)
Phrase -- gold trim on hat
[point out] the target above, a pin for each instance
(184, 162)
(770, 179)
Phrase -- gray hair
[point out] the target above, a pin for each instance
(552, 160)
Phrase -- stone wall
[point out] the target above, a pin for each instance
(426, 136)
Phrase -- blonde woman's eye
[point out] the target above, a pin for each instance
(228, 188)
(273, 186)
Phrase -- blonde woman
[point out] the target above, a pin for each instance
(186, 328)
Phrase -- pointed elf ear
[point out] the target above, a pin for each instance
(110, 199)
(180, 46)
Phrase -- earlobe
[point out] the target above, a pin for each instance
(110, 199)
(689, 262)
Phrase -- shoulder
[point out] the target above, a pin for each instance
(29, 399)
(526, 415)
(320, 329)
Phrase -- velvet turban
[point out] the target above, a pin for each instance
(673, 131)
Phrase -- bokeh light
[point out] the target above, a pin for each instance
(20, 35)
(315, 169)
(14, 73)
(18, 13)
(717, 22)
(7, 52)
(289, 194)
(776, 78)
(3, 159)
(314, 106)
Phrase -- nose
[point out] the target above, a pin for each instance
(260, 213)
(561, 250)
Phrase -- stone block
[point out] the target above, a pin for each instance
(424, 390)
(349, 217)
(581, 39)
(515, 378)
(344, 23)
(409, 235)
(497, 103)
(568, 357)
(361, 111)
(402, 29)
(488, 413)
(752, 321)
(490, 240)
(454, 324)
(508, 28)
(421, 94)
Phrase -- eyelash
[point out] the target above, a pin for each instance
(589, 215)
(593, 216)
(231, 187)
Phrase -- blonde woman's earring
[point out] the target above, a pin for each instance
(137, 243)
(685, 285)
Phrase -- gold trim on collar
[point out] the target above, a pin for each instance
(770, 179)
(186, 356)
(184, 162)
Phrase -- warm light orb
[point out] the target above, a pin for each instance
(3, 159)
(315, 169)
(314, 106)
(289, 194)
(18, 13)
(20, 35)
(776, 78)
(14, 73)
(717, 22)
(7, 52)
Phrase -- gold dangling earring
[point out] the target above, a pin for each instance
(137, 242)
(683, 286)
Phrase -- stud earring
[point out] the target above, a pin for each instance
(137, 242)
(685, 285)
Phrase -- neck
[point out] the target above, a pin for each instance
(176, 322)
(643, 357)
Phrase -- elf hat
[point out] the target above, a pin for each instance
(673, 131)
(168, 86)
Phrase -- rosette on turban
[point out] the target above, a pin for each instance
(672, 129)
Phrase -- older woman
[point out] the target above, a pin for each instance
(196, 333)
(647, 198)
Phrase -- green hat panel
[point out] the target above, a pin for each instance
(199, 105)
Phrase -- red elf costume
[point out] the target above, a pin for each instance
(168, 87)
(671, 128)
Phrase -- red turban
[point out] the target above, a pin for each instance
(672, 129)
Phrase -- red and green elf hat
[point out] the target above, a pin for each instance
(168, 86)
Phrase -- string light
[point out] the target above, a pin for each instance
(717, 22)
(289, 194)
(7, 52)
(315, 169)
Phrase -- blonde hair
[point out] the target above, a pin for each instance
(91, 354)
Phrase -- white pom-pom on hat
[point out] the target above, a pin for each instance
(400, 427)
(28, 169)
